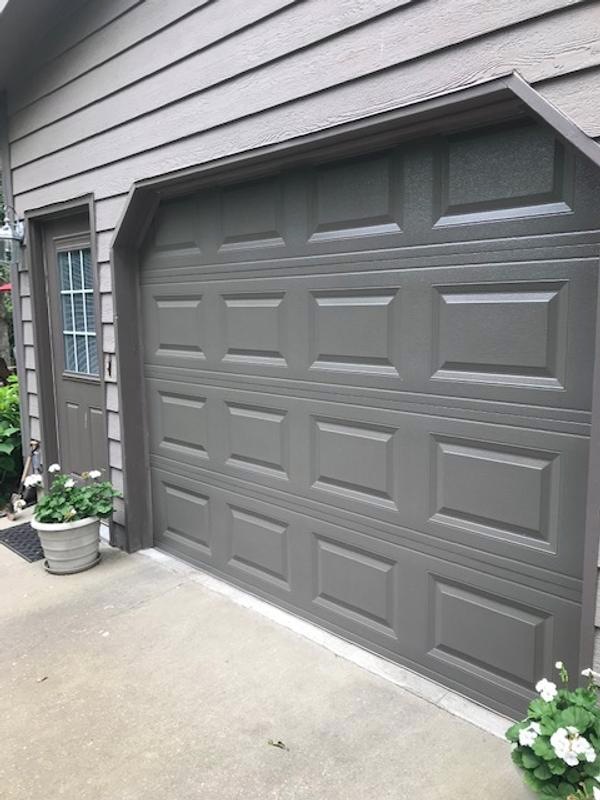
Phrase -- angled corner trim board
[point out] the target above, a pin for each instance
(345, 421)
(347, 300)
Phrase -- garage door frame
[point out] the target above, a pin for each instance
(498, 100)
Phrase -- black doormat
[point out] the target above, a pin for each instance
(23, 541)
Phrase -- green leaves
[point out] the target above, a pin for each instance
(543, 748)
(65, 502)
(10, 437)
(577, 717)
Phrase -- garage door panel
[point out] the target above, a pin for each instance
(513, 492)
(492, 635)
(182, 517)
(520, 338)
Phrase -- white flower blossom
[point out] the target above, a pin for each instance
(19, 505)
(559, 665)
(94, 473)
(33, 480)
(547, 689)
(596, 793)
(69, 483)
(587, 672)
(569, 745)
(54, 468)
(527, 736)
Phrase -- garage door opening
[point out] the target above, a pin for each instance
(368, 391)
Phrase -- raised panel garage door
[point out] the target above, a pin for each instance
(368, 396)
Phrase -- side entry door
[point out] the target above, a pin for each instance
(74, 334)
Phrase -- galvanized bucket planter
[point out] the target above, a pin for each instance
(69, 547)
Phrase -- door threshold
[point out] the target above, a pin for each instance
(425, 688)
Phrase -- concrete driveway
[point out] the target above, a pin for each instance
(135, 681)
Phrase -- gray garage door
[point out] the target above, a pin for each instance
(368, 396)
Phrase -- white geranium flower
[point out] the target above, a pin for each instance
(54, 468)
(547, 689)
(19, 505)
(559, 665)
(94, 473)
(587, 672)
(33, 480)
(528, 735)
(596, 793)
(69, 483)
(569, 746)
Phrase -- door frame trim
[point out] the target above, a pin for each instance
(503, 98)
(35, 222)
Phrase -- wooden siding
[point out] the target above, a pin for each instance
(127, 89)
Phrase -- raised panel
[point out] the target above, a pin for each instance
(501, 173)
(496, 489)
(176, 227)
(357, 198)
(259, 546)
(354, 460)
(183, 424)
(185, 518)
(512, 334)
(358, 586)
(179, 326)
(516, 637)
(254, 328)
(355, 330)
(258, 439)
(251, 215)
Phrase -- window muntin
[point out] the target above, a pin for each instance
(78, 311)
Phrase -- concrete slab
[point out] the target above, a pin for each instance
(136, 681)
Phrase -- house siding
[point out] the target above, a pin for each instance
(126, 89)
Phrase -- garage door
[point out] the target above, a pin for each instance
(368, 396)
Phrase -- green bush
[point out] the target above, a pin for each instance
(557, 746)
(10, 438)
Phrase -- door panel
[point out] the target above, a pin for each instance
(72, 302)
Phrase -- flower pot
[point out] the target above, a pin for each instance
(69, 547)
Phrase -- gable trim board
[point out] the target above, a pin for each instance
(507, 98)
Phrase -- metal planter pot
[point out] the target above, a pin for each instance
(69, 547)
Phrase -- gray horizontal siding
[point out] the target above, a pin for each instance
(213, 58)
(143, 19)
(129, 89)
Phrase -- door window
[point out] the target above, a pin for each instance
(78, 311)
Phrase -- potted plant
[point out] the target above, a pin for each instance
(67, 519)
(557, 746)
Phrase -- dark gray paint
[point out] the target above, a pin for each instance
(366, 426)
(81, 423)
(68, 217)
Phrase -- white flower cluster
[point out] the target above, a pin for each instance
(596, 793)
(54, 468)
(527, 736)
(569, 746)
(33, 480)
(94, 473)
(547, 689)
